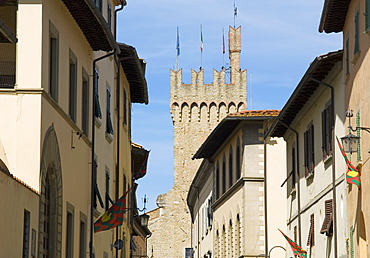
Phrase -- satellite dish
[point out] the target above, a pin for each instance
(118, 244)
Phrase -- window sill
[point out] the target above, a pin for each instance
(310, 175)
(109, 137)
(97, 122)
(356, 57)
(328, 158)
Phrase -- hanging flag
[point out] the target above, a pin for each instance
(143, 168)
(297, 250)
(223, 41)
(201, 39)
(178, 42)
(353, 176)
(113, 217)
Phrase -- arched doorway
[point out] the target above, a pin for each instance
(51, 201)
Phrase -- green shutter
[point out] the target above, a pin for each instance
(347, 56)
(358, 134)
(351, 247)
(356, 48)
(367, 15)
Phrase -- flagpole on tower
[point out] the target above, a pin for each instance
(177, 49)
(201, 47)
(235, 13)
(223, 48)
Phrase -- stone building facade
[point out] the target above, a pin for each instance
(196, 109)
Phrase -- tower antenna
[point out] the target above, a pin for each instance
(235, 13)
(177, 49)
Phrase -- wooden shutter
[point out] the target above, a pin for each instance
(311, 149)
(97, 110)
(324, 132)
(327, 226)
(305, 139)
(356, 48)
(311, 233)
(96, 189)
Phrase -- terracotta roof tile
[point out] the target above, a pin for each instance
(255, 113)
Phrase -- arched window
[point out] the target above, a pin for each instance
(237, 161)
(217, 181)
(223, 175)
(231, 166)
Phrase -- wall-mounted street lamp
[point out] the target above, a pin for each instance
(350, 141)
(144, 219)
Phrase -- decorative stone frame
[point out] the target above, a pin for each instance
(51, 166)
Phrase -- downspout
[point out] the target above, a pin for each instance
(333, 164)
(198, 221)
(93, 152)
(118, 106)
(265, 191)
(298, 184)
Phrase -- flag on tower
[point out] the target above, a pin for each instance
(223, 41)
(297, 250)
(201, 39)
(353, 176)
(113, 217)
(178, 42)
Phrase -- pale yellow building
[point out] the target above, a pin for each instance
(352, 18)
(315, 175)
(59, 62)
(235, 204)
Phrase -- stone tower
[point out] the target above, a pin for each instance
(196, 109)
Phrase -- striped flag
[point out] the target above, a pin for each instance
(353, 176)
(201, 39)
(113, 217)
(297, 250)
(178, 42)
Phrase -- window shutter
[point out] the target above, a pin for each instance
(330, 118)
(109, 126)
(97, 110)
(351, 243)
(356, 48)
(323, 130)
(311, 149)
(96, 189)
(367, 15)
(311, 233)
(327, 226)
(347, 56)
(305, 139)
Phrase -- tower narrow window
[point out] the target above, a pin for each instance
(72, 86)
(53, 62)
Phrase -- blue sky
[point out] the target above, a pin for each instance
(279, 40)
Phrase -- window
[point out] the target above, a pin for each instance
(26, 233)
(367, 16)
(107, 196)
(97, 110)
(96, 188)
(231, 172)
(109, 127)
(69, 231)
(109, 16)
(311, 233)
(356, 47)
(293, 172)
(209, 212)
(347, 56)
(53, 62)
(223, 179)
(72, 86)
(327, 225)
(217, 181)
(327, 127)
(99, 4)
(237, 161)
(188, 253)
(85, 102)
(124, 107)
(309, 161)
(82, 249)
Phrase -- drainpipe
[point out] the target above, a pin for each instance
(265, 190)
(333, 164)
(118, 106)
(198, 221)
(298, 184)
(93, 152)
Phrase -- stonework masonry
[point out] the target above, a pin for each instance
(196, 109)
